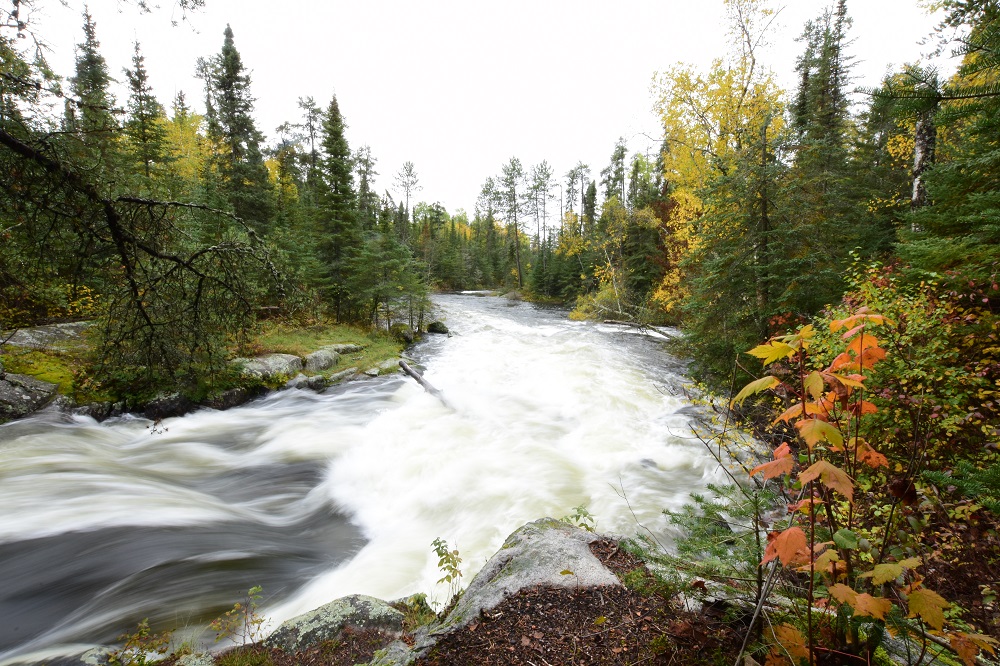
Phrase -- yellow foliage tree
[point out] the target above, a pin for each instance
(708, 119)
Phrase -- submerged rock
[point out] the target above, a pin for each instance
(325, 623)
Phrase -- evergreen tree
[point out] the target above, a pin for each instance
(145, 127)
(236, 142)
(89, 111)
(589, 207)
(368, 201)
(340, 237)
(957, 236)
(510, 186)
(613, 175)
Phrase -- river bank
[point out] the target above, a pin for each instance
(51, 365)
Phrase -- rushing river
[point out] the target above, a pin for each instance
(315, 496)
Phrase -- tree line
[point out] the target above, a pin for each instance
(177, 230)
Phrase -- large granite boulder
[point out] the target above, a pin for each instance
(165, 406)
(59, 337)
(321, 359)
(325, 623)
(21, 395)
(271, 365)
(437, 327)
(545, 552)
(344, 348)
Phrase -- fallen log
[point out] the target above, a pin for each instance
(426, 384)
(643, 328)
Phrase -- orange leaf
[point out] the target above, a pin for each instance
(796, 410)
(864, 407)
(775, 468)
(876, 607)
(792, 640)
(866, 454)
(861, 343)
(967, 646)
(849, 334)
(786, 546)
(830, 476)
(870, 357)
(843, 360)
(929, 605)
(782, 464)
(964, 648)
(842, 593)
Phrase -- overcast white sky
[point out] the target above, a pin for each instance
(459, 87)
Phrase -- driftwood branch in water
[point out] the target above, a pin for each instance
(426, 384)
(641, 327)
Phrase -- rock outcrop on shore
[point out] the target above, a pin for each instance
(545, 552)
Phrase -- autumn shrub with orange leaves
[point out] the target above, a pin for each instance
(845, 544)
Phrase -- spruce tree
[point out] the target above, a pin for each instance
(236, 142)
(89, 112)
(145, 127)
(340, 237)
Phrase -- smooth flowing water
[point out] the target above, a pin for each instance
(315, 496)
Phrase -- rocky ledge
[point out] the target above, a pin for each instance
(545, 553)
(21, 395)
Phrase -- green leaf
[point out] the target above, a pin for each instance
(750, 389)
(845, 539)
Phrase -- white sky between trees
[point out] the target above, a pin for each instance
(459, 87)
